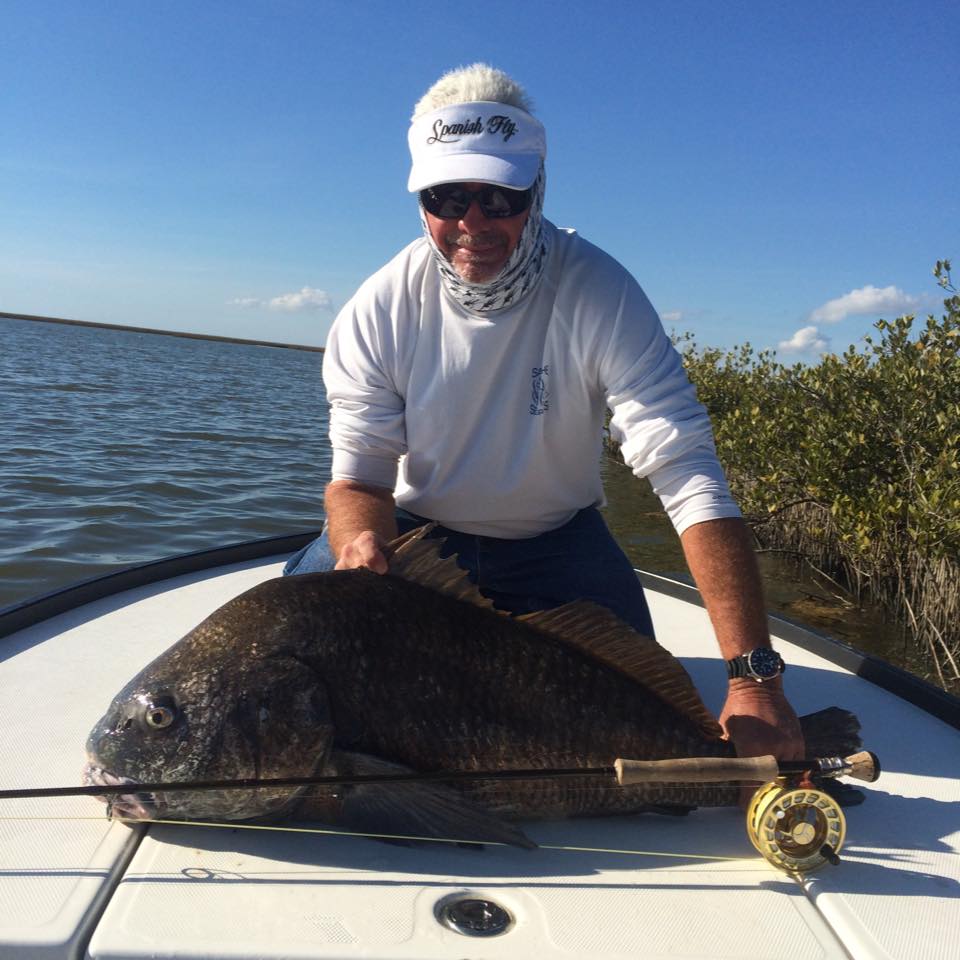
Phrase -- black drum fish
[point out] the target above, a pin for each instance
(352, 673)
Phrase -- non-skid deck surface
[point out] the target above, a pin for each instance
(66, 888)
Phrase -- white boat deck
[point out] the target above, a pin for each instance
(74, 885)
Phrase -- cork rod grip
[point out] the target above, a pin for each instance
(696, 770)
(864, 766)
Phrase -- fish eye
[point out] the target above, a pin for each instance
(158, 714)
(159, 717)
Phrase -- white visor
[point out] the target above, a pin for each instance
(481, 141)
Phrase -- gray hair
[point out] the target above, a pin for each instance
(479, 81)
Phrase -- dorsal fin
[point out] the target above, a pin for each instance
(601, 634)
(415, 558)
(586, 626)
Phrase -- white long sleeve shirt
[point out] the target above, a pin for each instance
(496, 419)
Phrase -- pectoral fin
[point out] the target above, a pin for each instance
(427, 810)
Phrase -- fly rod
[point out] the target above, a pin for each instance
(861, 766)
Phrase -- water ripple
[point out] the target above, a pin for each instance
(118, 447)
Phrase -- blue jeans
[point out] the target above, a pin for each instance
(578, 561)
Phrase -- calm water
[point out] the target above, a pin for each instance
(120, 447)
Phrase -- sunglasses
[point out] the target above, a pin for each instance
(451, 201)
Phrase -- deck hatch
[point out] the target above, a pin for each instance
(473, 916)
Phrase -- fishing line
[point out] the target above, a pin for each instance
(321, 831)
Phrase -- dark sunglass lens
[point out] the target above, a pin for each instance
(447, 201)
(503, 202)
(495, 202)
(454, 203)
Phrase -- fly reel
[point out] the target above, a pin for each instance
(796, 828)
(794, 825)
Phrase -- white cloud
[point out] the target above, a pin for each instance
(672, 316)
(866, 300)
(307, 298)
(805, 340)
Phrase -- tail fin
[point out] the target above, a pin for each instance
(832, 732)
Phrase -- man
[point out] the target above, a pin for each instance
(482, 359)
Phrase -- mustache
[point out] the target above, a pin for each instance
(487, 239)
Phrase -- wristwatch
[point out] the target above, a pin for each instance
(759, 664)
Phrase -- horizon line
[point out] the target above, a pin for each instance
(158, 332)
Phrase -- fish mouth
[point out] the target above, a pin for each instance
(122, 806)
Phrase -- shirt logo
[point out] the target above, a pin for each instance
(540, 395)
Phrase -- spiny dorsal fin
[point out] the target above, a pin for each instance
(584, 625)
(417, 559)
(602, 635)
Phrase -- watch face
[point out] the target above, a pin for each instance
(765, 663)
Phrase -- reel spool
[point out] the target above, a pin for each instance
(795, 828)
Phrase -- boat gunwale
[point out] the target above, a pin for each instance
(35, 610)
(902, 684)
(929, 698)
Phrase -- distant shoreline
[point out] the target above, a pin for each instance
(163, 333)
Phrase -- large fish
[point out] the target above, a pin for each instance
(349, 672)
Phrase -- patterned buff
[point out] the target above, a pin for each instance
(519, 275)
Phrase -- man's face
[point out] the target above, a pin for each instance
(477, 247)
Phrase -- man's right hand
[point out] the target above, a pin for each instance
(366, 550)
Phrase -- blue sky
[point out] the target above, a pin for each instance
(771, 172)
